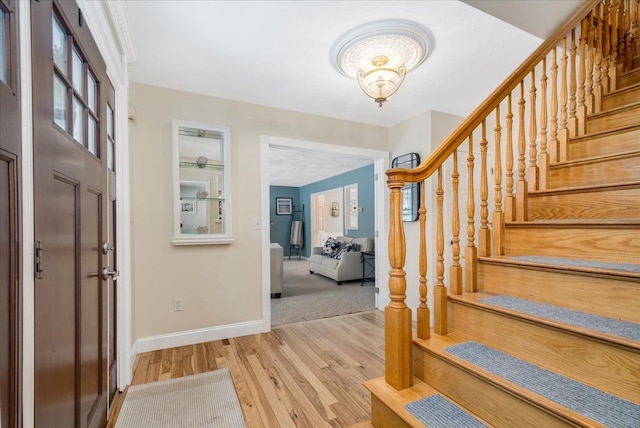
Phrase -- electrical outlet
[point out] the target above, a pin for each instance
(177, 304)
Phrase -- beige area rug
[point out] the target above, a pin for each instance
(202, 400)
(308, 296)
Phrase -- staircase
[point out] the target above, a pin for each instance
(559, 232)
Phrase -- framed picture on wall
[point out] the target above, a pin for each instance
(284, 206)
(188, 207)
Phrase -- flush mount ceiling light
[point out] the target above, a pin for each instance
(379, 55)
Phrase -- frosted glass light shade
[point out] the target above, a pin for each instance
(379, 55)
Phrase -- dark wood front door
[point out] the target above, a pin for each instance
(10, 225)
(70, 89)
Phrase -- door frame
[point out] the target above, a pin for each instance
(117, 51)
(381, 164)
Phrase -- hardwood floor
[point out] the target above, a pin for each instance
(308, 374)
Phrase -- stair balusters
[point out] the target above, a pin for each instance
(455, 271)
(563, 134)
(598, 62)
(613, 40)
(498, 216)
(470, 252)
(581, 112)
(440, 292)
(484, 240)
(423, 315)
(510, 200)
(589, 97)
(521, 185)
(572, 123)
(554, 144)
(543, 159)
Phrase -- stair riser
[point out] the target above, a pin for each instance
(383, 417)
(615, 298)
(621, 98)
(619, 203)
(622, 119)
(628, 79)
(604, 145)
(611, 171)
(592, 243)
(571, 355)
(489, 402)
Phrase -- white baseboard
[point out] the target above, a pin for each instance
(190, 337)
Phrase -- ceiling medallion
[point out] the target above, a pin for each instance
(379, 55)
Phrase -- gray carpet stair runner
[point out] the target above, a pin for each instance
(614, 327)
(436, 411)
(593, 403)
(568, 262)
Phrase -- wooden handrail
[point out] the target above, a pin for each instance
(451, 143)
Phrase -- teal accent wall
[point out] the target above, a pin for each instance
(280, 225)
(280, 228)
(364, 177)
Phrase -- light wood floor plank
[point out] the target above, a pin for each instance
(274, 399)
(250, 409)
(301, 375)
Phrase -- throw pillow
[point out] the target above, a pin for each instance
(349, 248)
(331, 247)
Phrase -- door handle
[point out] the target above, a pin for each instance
(113, 274)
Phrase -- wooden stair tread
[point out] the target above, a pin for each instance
(604, 133)
(609, 273)
(474, 300)
(397, 400)
(596, 159)
(581, 222)
(437, 346)
(627, 88)
(614, 111)
(588, 188)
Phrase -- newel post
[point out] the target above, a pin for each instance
(397, 316)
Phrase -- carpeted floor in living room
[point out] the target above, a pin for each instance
(308, 296)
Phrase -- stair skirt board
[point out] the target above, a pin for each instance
(597, 405)
(561, 261)
(436, 411)
(611, 326)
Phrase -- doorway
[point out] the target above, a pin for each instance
(326, 216)
(380, 160)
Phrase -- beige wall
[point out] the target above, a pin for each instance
(219, 284)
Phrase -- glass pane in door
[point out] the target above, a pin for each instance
(78, 121)
(92, 143)
(59, 102)
(3, 47)
(91, 93)
(78, 74)
(59, 45)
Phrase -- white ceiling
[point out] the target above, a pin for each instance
(290, 167)
(276, 53)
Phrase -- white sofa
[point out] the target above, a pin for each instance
(277, 256)
(349, 268)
